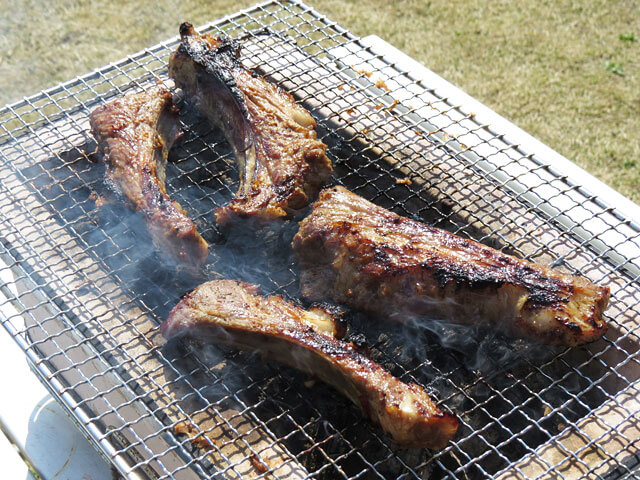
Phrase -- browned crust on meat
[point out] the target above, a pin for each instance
(134, 134)
(260, 120)
(232, 313)
(363, 255)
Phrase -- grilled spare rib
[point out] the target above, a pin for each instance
(134, 135)
(362, 255)
(232, 313)
(281, 162)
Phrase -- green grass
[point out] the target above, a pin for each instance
(568, 72)
(614, 68)
(628, 37)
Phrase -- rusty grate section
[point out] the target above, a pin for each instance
(90, 291)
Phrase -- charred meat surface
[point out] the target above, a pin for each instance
(134, 135)
(281, 162)
(362, 255)
(232, 313)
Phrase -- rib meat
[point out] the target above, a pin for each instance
(134, 135)
(363, 255)
(232, 313)
(282, 164)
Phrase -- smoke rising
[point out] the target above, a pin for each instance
(462, 366)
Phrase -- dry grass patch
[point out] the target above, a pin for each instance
(567, 72)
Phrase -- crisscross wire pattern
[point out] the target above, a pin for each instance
(90, 291)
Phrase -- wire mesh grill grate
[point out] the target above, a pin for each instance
(92, 292)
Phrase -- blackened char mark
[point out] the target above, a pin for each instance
(233, 314)
(363, 255)
(281, 162)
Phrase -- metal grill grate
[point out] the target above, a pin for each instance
(90, 291)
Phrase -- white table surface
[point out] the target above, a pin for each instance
(35, 426)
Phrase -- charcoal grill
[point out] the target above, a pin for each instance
(90, 292)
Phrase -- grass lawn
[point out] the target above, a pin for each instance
(568, 72)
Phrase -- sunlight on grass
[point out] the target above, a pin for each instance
(566, 72)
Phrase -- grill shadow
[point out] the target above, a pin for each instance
(511, 396)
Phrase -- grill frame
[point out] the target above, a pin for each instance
(28, 274)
